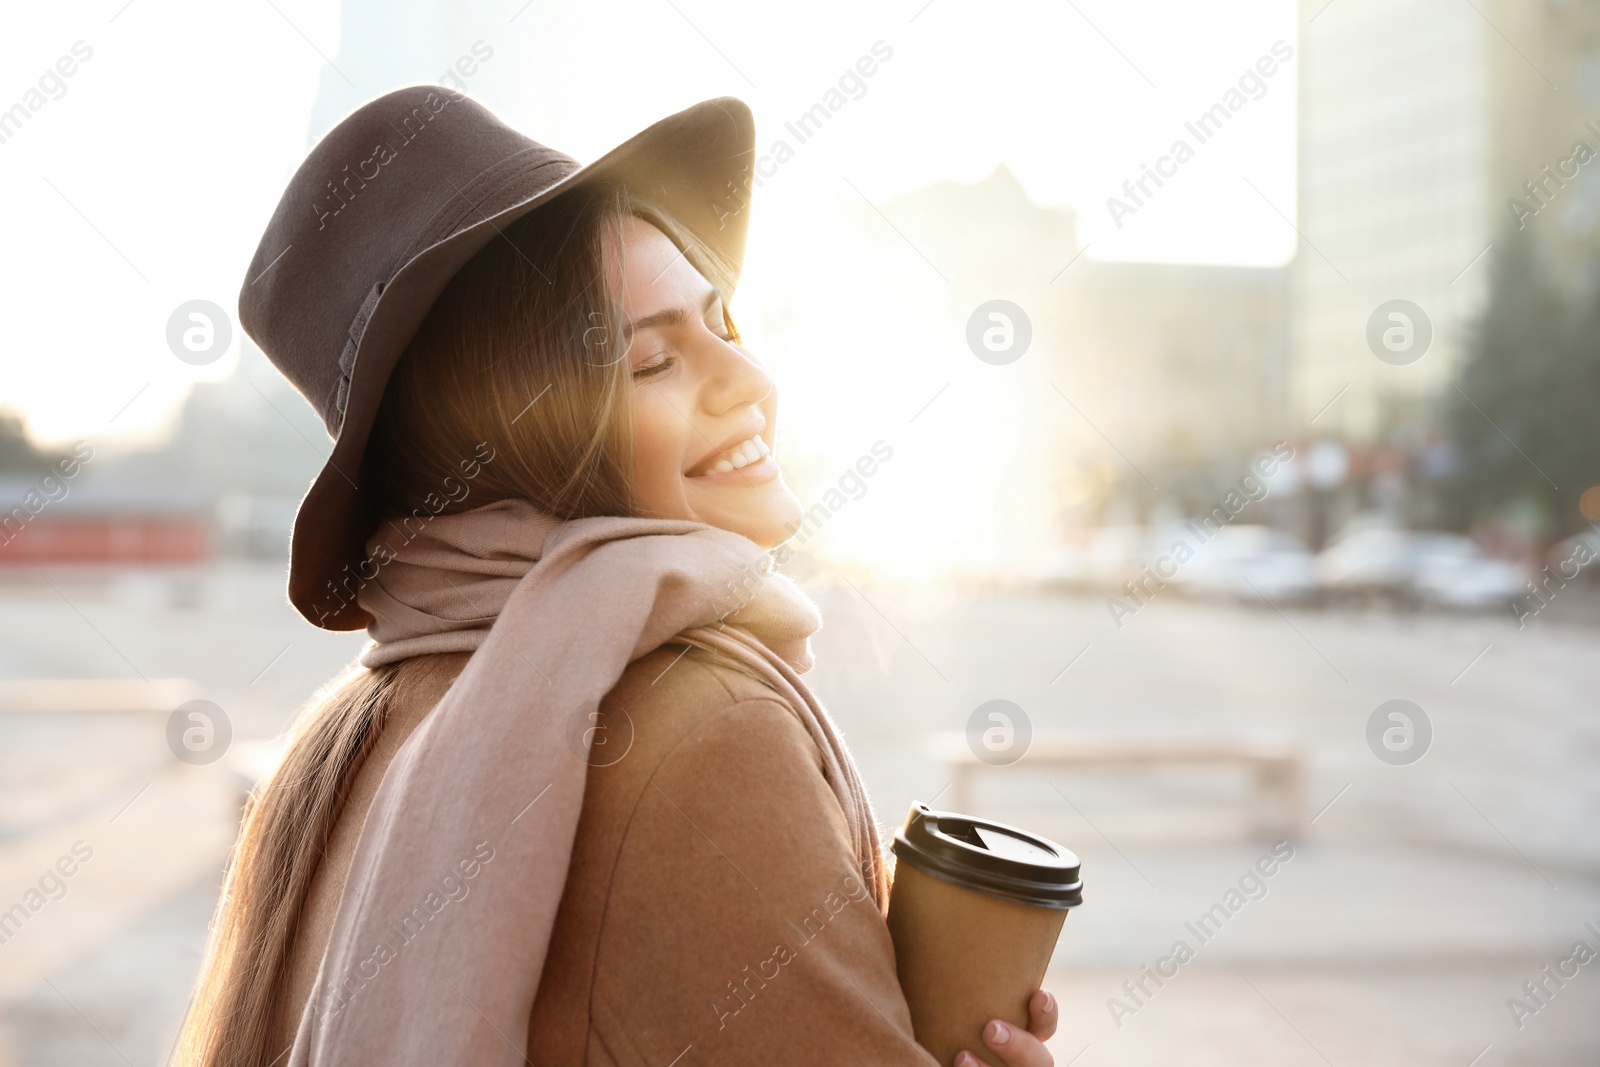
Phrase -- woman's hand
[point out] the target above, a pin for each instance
(1020, 1048)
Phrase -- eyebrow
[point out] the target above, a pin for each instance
(673, 316)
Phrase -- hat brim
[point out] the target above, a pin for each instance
(685, 158)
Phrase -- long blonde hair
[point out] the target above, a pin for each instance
(523, 351)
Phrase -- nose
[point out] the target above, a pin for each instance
(734, 379)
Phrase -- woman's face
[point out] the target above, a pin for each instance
(705, 411)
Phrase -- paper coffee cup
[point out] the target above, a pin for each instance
(975, 912)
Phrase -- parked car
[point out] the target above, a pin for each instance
(1370, 558)
(1450, 570)
(1576, 557)
(1375, 557)
(1250, 562)
(1094, 559)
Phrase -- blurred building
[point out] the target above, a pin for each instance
(225, 483)
(1422, 126)
(1567, 212)
(1183, 366)
(1186, 363)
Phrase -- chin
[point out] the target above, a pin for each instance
(768, 517)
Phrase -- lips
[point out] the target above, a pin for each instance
(742, 448)
(738, 442)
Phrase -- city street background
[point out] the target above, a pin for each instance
(1194, 408)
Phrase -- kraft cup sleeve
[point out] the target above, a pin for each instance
(965, 957)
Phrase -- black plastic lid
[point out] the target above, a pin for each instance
(989, 857)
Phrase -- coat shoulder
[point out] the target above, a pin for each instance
(671, 701)
(670, 691)
(673, 706)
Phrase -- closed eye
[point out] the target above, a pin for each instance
(661, 362)
(651, 370)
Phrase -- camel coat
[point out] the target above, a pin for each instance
(711, 915)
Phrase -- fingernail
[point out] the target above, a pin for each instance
(1049, 1001)
(999, 1033)
(966, 1059)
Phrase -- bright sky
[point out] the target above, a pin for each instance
(144, 179)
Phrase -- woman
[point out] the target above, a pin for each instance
(576, 804)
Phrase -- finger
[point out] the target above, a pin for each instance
(1015, 1047)
(1043, 1014)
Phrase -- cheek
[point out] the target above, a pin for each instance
(658, 454)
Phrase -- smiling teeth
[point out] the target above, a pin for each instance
(740, 455)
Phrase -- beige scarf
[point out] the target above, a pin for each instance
(553, 611)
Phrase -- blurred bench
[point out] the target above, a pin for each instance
(1276, 767)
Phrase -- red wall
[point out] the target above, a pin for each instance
(106, 539)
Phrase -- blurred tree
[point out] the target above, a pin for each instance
(1524, 411)
(16, 453)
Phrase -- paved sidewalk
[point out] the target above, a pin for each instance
(1422, 898)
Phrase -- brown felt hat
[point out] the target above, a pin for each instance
(384, 211)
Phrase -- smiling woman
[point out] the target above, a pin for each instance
(559, 678)
(691, 438)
